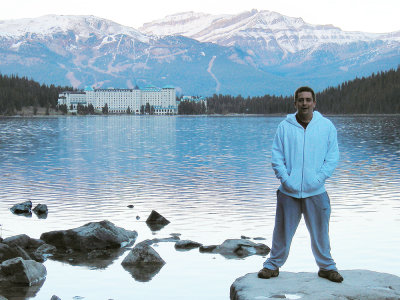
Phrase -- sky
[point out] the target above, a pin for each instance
(350, 15)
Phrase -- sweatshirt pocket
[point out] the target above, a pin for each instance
(310, 181)
(293, 183)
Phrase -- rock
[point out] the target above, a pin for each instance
(357, 285)
(187, 245)
(54, 297)
(41, 210)
(43, 252)
(22, 208)
(143, 262)
(142, 253)
(24, 241)
(245, 237)
(155, 221)
(130, 206)
(208, 249)
(27, 248)
(20, 271)
(259, 239)
(7, 252)
(91, 236)
(161, 240)
(241, 248)
(137, 218)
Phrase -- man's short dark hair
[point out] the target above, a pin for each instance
(304, 89)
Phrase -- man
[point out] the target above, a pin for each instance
(304, 154)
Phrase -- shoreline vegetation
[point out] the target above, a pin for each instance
(376, 94)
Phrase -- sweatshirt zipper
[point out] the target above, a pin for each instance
(302, 168)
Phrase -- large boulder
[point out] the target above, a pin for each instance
(241, 248)
(91, 236)
(20, 271)
(156, 221)
(357, 285)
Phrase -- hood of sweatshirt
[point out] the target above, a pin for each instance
(291, 118)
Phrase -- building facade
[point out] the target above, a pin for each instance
(163, 100)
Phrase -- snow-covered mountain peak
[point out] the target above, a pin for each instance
(269, 29)
(48, 25)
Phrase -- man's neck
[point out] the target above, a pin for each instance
(303, 122)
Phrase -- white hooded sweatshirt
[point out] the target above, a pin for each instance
(304, 158)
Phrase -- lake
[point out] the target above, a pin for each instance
(210, 176)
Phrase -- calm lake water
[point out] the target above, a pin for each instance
(210, 176)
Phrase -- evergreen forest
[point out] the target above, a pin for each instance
(376, 94)
(18, 92)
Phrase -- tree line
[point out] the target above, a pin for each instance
(376, 94)
(18, 92)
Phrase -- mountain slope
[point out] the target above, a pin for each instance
(253, 53)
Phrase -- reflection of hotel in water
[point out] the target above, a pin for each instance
(118, 100)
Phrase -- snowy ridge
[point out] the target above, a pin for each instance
(275, 30)
(83, 26)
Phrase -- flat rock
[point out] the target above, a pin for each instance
(357, 285)
(91, 236)
(187, 245)
(241, 248)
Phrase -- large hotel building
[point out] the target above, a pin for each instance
(163, 99)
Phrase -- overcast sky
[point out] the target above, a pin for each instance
(351, 15)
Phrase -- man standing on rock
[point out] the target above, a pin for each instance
(304, 154)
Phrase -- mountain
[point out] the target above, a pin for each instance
(252, 53)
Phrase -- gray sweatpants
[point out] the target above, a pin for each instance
(316, 210)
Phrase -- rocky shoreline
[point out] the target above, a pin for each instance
(97, 244)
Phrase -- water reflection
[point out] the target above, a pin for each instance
(210, 176)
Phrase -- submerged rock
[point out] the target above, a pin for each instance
(187, 245)
(20, 271)
(155, 221)
(55, 297)
(357, 285)
(208, 249)
(91, 236)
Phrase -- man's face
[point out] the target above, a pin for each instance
(305, 105)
